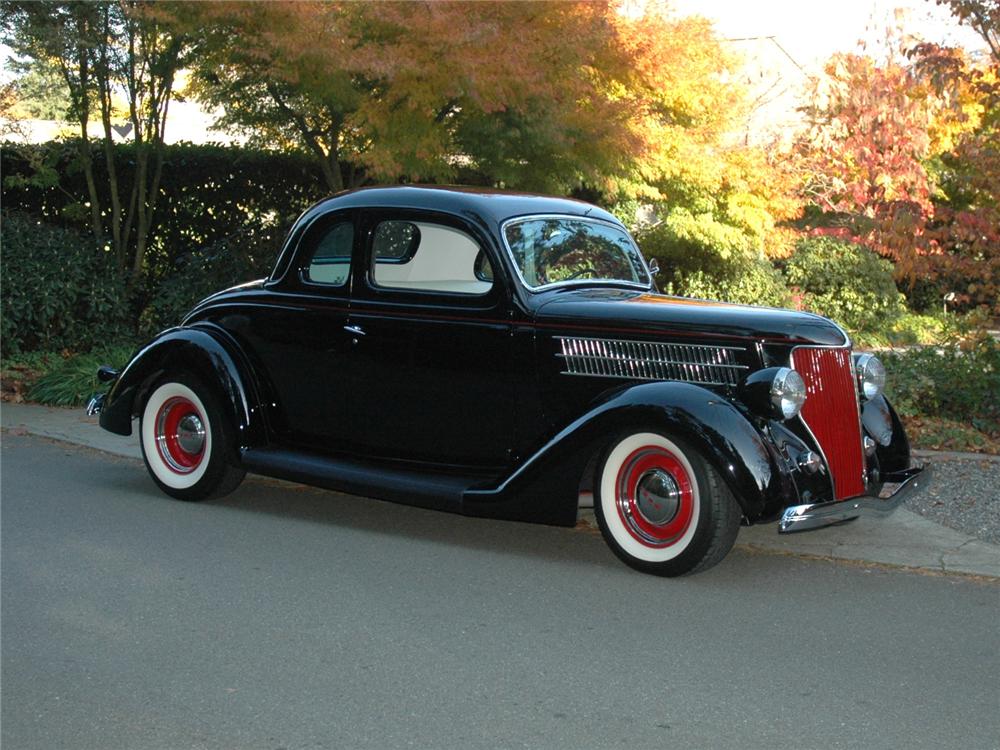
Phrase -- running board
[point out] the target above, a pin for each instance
(369, 479)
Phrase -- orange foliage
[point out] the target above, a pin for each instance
(532, 94)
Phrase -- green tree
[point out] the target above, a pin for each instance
(40, 91)
(103, 51)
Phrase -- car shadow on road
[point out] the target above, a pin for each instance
(378, 518)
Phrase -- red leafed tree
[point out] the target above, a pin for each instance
(864, 152)
(903, 157)
(983, 16)
(966, 221)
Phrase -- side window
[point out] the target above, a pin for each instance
(330, 262)
(422, 256)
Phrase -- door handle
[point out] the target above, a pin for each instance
(355, 330)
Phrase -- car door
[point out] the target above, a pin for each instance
(297, 333)
(431, 348)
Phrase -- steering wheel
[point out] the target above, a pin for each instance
(577, 274)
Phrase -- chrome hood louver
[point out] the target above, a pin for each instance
(648, 360)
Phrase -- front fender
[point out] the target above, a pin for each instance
(545, 487)
(892, 447)
(207, 352)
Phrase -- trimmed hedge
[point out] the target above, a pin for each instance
(220, 219)
(60, 291)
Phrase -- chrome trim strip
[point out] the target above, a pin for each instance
(648, 286)
(817, 515)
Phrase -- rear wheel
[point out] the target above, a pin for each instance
(661, 507)
(187, 443)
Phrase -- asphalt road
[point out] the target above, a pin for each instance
(295, 618)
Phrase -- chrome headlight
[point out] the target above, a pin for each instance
(788, 392)
(870, 374)
(775, 392)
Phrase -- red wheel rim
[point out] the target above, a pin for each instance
(654, 496)
(180, 435)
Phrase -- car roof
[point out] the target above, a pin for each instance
(493, 206)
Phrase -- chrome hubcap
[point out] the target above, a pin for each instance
(181, 437)
(191, 434)
(658, 498)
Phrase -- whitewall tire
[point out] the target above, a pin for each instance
(661, 507)
(186, 441)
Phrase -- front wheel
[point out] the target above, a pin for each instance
(661, 507)
(186, 441)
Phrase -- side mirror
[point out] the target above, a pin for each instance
(654, 267)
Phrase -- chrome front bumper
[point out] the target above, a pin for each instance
(95, 404)
(899, 485)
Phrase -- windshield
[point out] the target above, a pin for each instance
(557, 250)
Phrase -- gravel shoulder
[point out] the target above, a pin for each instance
(964, 494)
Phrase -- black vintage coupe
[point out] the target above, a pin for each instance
(506, 355)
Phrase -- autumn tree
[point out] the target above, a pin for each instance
(544, 96)
(864, 153)
(416, 90)
(965, 225)
(901, 155)
(105, 52)
(721, 207)
(983, 17)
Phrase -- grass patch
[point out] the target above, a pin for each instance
(59, 379)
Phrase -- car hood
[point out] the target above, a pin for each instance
(621, 312)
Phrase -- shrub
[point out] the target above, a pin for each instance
(846, 282)
(759, 284)
(693, 265)
(60, 290)
(220, 218)
(208, 193)
(958, 382)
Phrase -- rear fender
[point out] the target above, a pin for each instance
(207, 352)
(545, 487)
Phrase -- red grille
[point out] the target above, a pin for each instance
(831, 412)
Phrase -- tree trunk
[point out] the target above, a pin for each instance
(103, 75)
(142, 215)
(329, 159)
(82, 106)
(331, 172)
(87, 160)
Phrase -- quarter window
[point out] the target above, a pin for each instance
(426, 257)
(331, 260)
(396, 241)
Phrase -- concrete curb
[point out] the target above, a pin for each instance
(903, 539)
(70, 425)
(951, 455)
